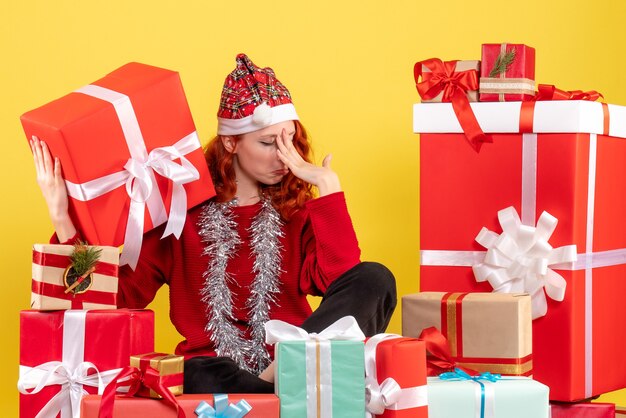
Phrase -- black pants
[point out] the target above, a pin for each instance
(367, 292)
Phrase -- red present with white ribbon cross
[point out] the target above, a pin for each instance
(130, 155)
(395, 377)
(65, 355)
(489, 221)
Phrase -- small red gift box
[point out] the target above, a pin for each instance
(567, 158)
(507, 73)
(50, 285)
(582, 410)
(395, 384)
(263, 406)
(130, 154)
(67, 351)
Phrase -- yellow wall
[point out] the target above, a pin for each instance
(348, 65)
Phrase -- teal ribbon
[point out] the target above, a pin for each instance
(459, 374)
(222, 408)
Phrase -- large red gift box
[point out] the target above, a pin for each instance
(263, 406)
(395, 369)
(62, 350)
(129, 133)
(570, 162)
(515, 81)
(582, 410)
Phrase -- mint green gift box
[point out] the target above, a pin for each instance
(509, 397)
(335, 373)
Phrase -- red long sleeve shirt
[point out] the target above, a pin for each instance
(319, 246)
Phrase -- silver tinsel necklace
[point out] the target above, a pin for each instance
(218, 229)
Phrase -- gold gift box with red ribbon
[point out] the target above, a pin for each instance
(50, 287)
(170, 368)
(486, 332)
(464, 71)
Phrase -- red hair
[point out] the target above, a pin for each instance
(287, 197)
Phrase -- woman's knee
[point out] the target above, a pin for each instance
(377, 278)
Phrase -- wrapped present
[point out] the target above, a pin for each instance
(443, 81)
(550, 161)
(130, 154)
(395, 377)
(193, 406)
(319, 375)
(620, 411)
(64, 354)
(55, 280)
(504, 347)
(507, 73)
(152, 375)
(170, 371)
(459, 395)
(582, 410)
(465, 71)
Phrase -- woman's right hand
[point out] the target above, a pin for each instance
(53, 189)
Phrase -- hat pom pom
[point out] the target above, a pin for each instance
(262, 115)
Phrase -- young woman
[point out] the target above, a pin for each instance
(253, 252)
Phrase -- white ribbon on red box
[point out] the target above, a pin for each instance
(138, 176)
(388, 394)
(71, 373)
(550, 116)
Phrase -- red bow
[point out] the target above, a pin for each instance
(551, 92)
(439, 359)
(454, 85)
(135, 379)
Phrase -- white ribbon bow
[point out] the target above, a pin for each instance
(345, 328)
(67, 401)
(519, 259)
(138, 175)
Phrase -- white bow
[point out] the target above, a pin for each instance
(345, 328)
(67, 401)
(519, 259)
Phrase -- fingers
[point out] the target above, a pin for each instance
(47, 159)
(57, 171)
(327, 160)
(37, 156)
(285, 145)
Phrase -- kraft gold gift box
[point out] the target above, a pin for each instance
(486, 332)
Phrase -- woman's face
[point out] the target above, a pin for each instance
(256, 154)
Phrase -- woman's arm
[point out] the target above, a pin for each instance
(52, 185)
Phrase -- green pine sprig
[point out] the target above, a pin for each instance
(503, 62)
(84, 258)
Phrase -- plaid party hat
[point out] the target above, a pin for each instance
(252, 99)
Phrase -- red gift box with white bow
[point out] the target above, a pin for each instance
(130, 155)
(482, 218)
(67, 354)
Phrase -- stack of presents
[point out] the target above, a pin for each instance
(523, 240)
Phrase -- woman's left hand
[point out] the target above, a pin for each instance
(323, 177)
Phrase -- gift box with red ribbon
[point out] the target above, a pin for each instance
(52, 290)
(130, 155)
(193, 406)
(169, 368)
(582, 410)
(507, 73)
(489, 222)
(395, 377)
(66, 354)
(486, 332)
